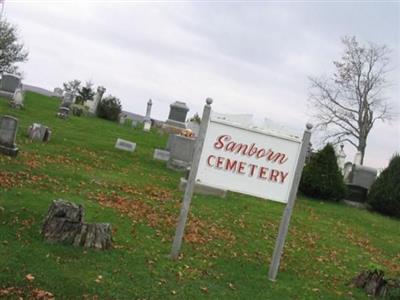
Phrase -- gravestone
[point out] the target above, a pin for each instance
(10, 82)
(359, 182)
(122, 119)
(125, 145)
(8, 133)
(340, 158)
(148, 110)
(147, 125)
(63, 112)
(160, 154)
(67, 100)
(362, 176)
(181, 152)
(177, 115)
(147, 118)
(134, 124)
(39, 132)
(17, 100)
(346, 171)
(96, 100)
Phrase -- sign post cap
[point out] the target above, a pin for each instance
(309, 126)
(209, 101)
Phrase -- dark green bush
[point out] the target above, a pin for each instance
(109, 108)
(321, 176)
(384, 195)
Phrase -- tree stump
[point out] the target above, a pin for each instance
(373, 282)
(94, 236)
(64, 223)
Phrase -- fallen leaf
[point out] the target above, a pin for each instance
(29, 277)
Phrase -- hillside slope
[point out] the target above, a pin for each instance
(228, 242)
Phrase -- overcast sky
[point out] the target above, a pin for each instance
(251, 57)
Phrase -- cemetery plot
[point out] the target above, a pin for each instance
(228, 242)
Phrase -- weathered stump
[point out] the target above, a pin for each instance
(94, 236)
(373, 282)
(64, 223)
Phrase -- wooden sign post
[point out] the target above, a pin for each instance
(252, 161)
(187, 197)
(287, 213)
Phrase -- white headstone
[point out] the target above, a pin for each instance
(18, 99)
(92, 104)
(148, 109)
(161, 155)
(125, 145)
(340, 158)
(146, 125)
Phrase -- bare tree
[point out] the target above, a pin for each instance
(347, 104)
(72, 86)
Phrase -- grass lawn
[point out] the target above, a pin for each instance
(228, 242)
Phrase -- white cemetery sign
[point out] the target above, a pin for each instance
(249, 161)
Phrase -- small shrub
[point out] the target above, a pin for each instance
(109, 108)
(384, 195)
(321, 177)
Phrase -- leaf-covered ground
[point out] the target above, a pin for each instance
(228, 242)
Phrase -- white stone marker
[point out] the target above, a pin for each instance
(147, 126)
(125, 145)
(160, 154)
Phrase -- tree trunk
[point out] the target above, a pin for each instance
(362, 144)
(64, 223)
(372, 282)
(94, 236)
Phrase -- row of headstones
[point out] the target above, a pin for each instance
(175, 123)
(8, 133)
(178, 155)
(68, 99)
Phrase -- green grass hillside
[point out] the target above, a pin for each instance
(228, 242)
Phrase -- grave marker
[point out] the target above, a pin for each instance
(125, 145)
(17, 100)
(39, 132)
(10, 82)
(177, 115)
(8, 133)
